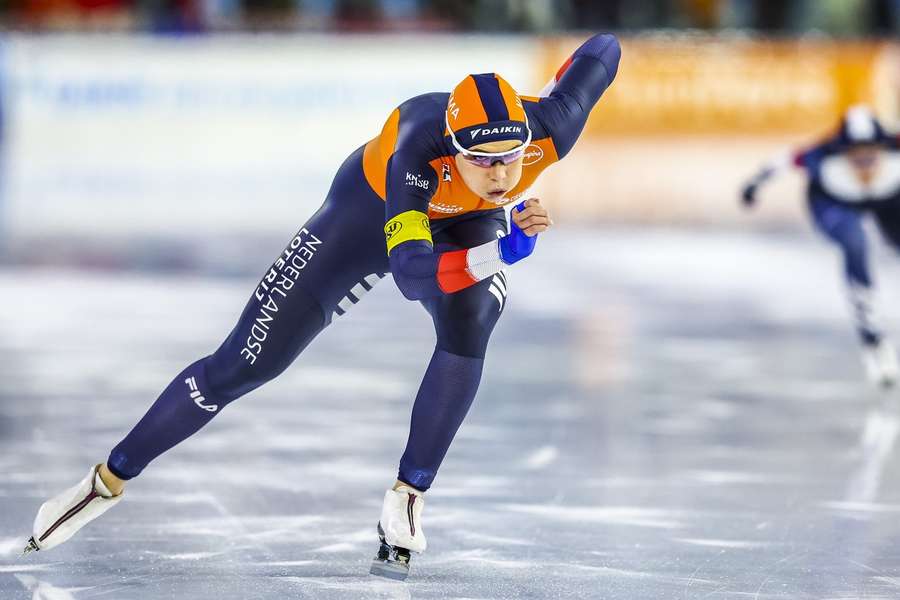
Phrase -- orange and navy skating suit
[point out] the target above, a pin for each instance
(403, 185)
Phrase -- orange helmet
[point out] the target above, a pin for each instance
(485, 108)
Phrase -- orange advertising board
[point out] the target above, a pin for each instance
(702, 85)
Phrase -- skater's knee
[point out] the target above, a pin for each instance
(229, 378)
(853, 242)
(848, 236)
(263, 345)
(465, 328)
(853, 247)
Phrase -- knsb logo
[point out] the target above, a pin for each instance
(198, 397)
(533, 154)
(392, 228)
(416, 180)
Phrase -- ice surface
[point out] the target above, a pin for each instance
(663, 415)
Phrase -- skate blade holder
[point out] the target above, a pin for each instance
(391, 563)
(396, 570)
(31, 546)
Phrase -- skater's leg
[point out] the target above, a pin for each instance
(259, 348)
(114, 484)
(445, 395)
(843, 226)
(324, 269)
(887, 215)
(463, 323)
(196, 395)
(880, 359)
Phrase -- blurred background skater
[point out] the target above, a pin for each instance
(852, 175)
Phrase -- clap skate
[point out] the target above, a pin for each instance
(400, 532)
(60, 517)
(880, 361)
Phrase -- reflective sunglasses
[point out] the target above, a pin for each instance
(486, 160)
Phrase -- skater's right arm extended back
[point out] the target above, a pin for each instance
(808, 158)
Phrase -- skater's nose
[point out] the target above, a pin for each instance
(497, 172)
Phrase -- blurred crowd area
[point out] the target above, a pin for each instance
(845, 18)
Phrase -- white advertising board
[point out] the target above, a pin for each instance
(226, 134)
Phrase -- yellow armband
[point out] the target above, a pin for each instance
(410, 225)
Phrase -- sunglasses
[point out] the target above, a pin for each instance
(487, 161)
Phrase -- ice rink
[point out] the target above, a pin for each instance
(677, 414)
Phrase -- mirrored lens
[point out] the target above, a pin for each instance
(488, 161)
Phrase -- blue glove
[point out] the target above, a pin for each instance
(515, 245)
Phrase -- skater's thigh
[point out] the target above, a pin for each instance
(840, 223)
(464, 321)
(351, 255)
(470, 230)
(342, 255)
(326, 267)
(887, 216)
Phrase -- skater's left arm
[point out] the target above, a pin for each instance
(422, 273)
(418, 270)
(807, 158)
(779, 163)
(567, 100)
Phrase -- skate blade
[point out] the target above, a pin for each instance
(31, 547)
(390, 569)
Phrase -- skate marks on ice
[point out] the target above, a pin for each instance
(350, 587)
(38, 588)
(609, 515)
(43, 590)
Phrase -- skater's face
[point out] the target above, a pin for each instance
(491, 183)
(864, 159)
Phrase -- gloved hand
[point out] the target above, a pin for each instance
(748, 194)
(517, 244)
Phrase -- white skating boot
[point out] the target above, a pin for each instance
(60, 517)
(880, 361)
(400, 532)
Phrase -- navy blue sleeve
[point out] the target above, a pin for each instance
(811, 158)
(410, 186)
(579, 84)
